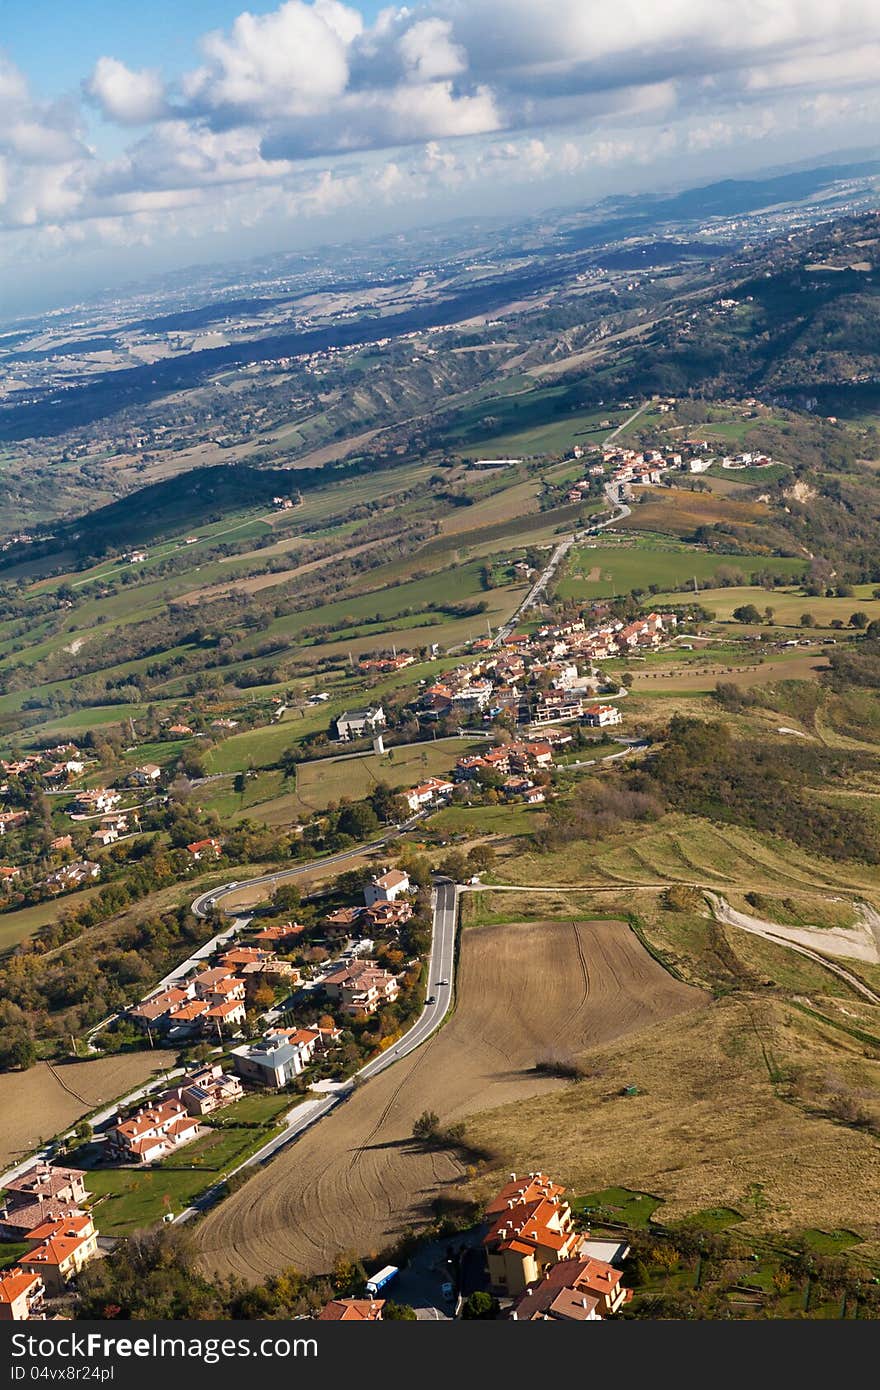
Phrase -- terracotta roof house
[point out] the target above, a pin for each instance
(157, 1011)
(530, 1229)
(386, 887)
(42, 1182)
(352, 1310)
(152, 1132)
(582, 1290)
(281, 935)
(361, 987)
(21, 1295)
(63, 1248)
(228, 1014)
(207, 1089)
(203, 849)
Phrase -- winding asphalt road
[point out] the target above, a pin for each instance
(441, 966)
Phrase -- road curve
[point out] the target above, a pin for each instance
(441, 966)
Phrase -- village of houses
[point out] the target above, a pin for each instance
(536, 1264)
(546, 682)
(622, 467)
(541, 681)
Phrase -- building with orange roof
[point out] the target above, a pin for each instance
(204, 849)
(580, 1290)
(152, 1132)
(189, 1013)
(156, 1012)
(352, 1310)
(283, 934)
(21, 1295)
(42, 1182)
(530, 1229)
(224, 1016)
(64, 1247)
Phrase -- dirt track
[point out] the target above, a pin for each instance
(357, 1181)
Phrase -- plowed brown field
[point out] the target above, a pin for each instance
(357, 1181)
(36, 1104)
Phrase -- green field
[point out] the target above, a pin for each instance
(543, 420)
(626, 567)
(267, 797)
(514, 819)
(19, 925)
(788, 604)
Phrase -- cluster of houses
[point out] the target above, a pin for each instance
(513, 762)
(211, 1002)
(54, 765)
(539, 1267)
(153, 1131)
(641, 467)
(536, 1258)
(43, 1209)
(386, 665)
(539, 677)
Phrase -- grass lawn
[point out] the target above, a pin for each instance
(11, 1252)
(513, 819)
(618, 1204)
(830, 1242)
(602, 571)
(319, 783)
(711, 1219)
(133, 1199)
(257, 1108)
(678, 511)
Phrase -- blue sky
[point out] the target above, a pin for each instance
(141, 136)
(57, 41)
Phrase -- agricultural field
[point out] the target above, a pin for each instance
(40, 1103)
(18, 925)
(526, 423)
(679, 511)
(359, 1180)
(602, 571)
(789, 605)
(711, 1124)
(328, 780)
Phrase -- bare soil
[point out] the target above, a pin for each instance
(38, 1103)
(358, 1181)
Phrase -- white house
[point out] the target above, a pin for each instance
(387, 887)
(599, 716)
(360, 723)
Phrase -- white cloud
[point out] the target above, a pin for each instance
(443, 95)
(428, 51)
(288, 63)
(130, 98)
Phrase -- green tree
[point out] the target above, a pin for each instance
(859, 620)
(455, 865)
(359, 821)
(426, 1125)
(747, 613)
(398, 1312)
(287, 897)
(479, 1305)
